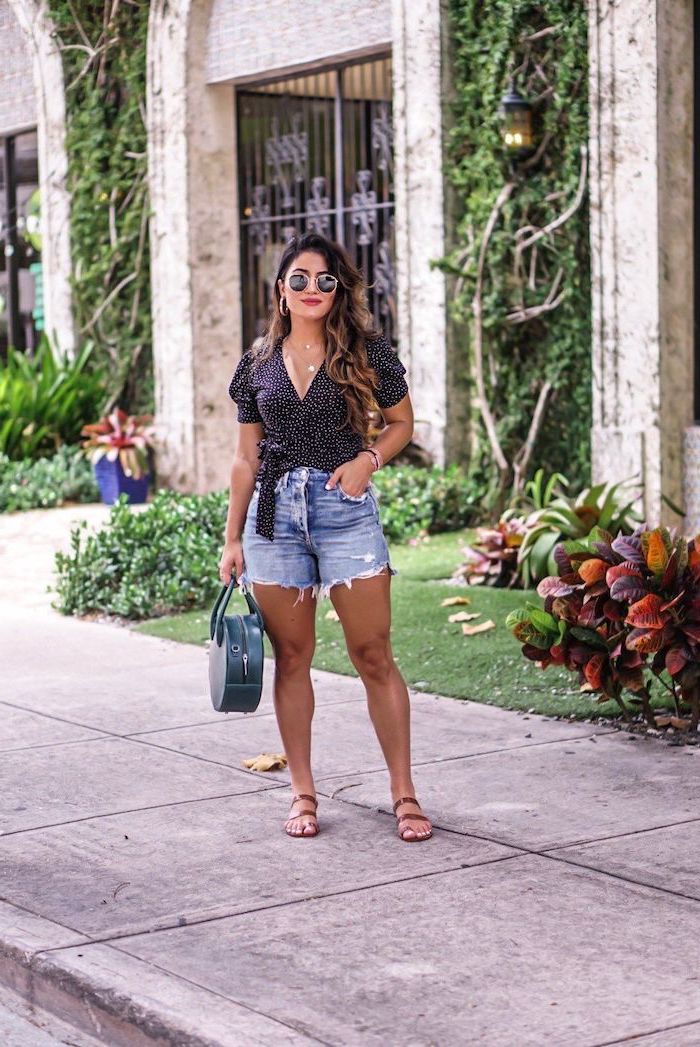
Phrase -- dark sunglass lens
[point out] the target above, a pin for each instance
(327, 283)
(297, 281)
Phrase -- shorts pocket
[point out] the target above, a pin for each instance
(344, 497)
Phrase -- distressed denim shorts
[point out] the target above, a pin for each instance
(322, 538)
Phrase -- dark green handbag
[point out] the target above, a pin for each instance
(235, 655)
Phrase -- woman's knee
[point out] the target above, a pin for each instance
(293, 657)
(373, 658)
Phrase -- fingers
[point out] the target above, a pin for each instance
(333, 479)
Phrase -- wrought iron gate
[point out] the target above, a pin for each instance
(316, 154)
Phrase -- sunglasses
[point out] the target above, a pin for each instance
(325, 282)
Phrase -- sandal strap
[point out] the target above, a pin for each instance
(404, 817)
(305, 796)
(300, 813)
(405, 799)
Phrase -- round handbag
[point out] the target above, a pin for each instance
(235, 655)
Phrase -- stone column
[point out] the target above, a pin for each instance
(420, 234)
(641, 240)
(47, 69)
(194, 250)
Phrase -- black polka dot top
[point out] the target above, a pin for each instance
(311, 432)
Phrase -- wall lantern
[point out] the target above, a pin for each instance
(517, 123)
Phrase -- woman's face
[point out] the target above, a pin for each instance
(308, 303)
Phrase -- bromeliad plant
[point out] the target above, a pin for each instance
(123, 437)
(519, 552)
(620, 611)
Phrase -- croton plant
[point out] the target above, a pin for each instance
(620, 612)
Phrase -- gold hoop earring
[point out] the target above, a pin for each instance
(284, 308)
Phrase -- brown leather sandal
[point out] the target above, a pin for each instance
(298, 814)
(408, 817)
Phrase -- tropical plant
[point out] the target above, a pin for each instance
(120, 436)
(562, 518)
(519, 551)
(614, 602)
(493, 558)
(44, 399)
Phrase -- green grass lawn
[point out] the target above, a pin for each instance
(432, 653)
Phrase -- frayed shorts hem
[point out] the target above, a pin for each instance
(319, 590)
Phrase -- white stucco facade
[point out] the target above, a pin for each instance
(641, 244)
(198, 55)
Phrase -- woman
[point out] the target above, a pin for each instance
(303, 520)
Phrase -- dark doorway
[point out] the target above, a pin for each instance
(316, 154)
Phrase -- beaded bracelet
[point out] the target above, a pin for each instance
(375, 455)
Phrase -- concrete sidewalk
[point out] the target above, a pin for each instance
(149, 893)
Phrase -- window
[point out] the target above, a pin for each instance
(21, 312)
(316, 154)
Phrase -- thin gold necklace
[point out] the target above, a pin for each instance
(309, 367)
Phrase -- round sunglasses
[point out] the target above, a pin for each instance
(325, 282)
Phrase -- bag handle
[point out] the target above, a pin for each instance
(216, 621)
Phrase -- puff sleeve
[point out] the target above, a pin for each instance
(241, 391)
(392, 385)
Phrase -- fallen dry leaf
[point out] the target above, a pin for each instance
(455, 601)
(482, 627)
(331, 616)
(463, 616)
(266, 762)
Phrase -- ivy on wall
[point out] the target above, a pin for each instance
(521, 249)
(103, 48)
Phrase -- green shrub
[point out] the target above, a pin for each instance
(165, 557)
(414, 499)
(158, 560)
(40, 483)
(45, 400)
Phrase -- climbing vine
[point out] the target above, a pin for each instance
(520, 260)
(103, 48)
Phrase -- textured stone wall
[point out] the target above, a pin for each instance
(17, 97)
(195, 51)
(194, 250)
(417, 70)
(641, 238)
(248, 39)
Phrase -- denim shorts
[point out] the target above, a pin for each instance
(322, 538)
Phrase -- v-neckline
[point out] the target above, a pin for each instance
(317, 372)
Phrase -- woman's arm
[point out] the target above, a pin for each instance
(398, 430)
(243, 473)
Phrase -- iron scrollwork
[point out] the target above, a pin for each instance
(383, 139)
(363, 207)
(317, 206)
(283, 152)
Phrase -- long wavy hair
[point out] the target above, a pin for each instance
(349, 325)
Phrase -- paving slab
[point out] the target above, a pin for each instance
(153, 868)
(20, 729)
(527, 951)
(125, 1002)
(61, 783)
(115, 680)
(666, 858)
(344, 741)
(553, 795)
(685, 1035)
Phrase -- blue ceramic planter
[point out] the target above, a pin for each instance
(113, 481)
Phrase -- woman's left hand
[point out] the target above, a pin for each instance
(353, 476)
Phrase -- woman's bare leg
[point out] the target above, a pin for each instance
(291, 627)
(365, 614)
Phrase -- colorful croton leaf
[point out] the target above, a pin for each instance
(620, 611)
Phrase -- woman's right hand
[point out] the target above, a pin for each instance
(231, 560)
